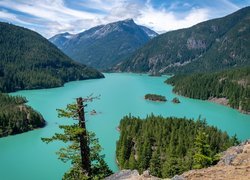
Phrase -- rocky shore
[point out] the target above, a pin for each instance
(225, 102)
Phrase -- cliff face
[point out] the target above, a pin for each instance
(234, 164)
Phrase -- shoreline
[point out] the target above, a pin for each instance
(225, 102)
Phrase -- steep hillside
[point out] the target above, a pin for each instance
(29, 61)
(16, 117)
(209, 46)
(230, 87)
(105, 45)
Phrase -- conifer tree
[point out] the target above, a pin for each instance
(202, 156)
(83, 150)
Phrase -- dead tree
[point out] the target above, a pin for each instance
(84, 148)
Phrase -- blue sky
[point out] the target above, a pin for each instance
(49, 17)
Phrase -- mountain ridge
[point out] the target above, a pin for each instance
(212, 45)
(29, 61)
(105, 45)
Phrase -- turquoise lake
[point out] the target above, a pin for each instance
(26, 157)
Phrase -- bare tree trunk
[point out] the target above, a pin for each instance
(84, 148)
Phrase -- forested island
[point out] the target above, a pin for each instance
(29, 61)
(16, 117)
(232, 85)
(155, 97)
(169, 146)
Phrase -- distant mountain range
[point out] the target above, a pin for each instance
(209, 46)
(105, 45)
(29, 61)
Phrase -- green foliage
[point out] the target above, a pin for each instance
(29, 61)
(155, 97)
(166, 146)
(16, 117)
(209, 46)
(71, 136)
(202, 156)
(233, 84)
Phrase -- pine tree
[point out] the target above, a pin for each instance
(84, 149)
(155, 164)
(171, 167)
(202, 156)
(132, 161)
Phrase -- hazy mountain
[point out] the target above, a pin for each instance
(105, 45)
(29, 61)
(209, 46)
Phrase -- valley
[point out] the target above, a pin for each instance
(114, 103)
(140, 89)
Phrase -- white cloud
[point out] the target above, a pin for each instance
(50, 17)
(9, 17)
(163, 21)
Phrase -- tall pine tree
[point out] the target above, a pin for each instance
(83, 150)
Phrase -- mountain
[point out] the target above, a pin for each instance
(29, 61)
(105, 45)
(230, 87)
(209, 46)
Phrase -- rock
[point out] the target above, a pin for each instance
(124, 174)
(176, 100)
(146, 173)
(177, 177)
(93, 112)
(131, 175)
(228, 159)
(193, 43)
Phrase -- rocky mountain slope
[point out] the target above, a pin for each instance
(234, 164)
(105, 45)
(209, 46)
(29, 61)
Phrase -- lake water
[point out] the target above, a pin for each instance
(26, 157)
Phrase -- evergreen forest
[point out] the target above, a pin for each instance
(233, 84)
(169, 146)
(29, 61)
(16, 117)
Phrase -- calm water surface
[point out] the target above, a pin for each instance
(26, 157)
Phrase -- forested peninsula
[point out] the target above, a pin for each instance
(169, 146)
(231, 86)
(16, 117)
